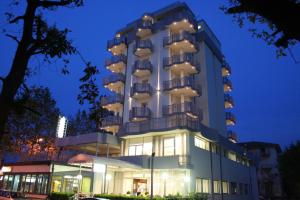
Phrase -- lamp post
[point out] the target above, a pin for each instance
(151, 166)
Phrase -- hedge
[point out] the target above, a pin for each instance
(61, 196)
(194, 196)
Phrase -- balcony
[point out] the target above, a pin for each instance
(227, 84)
(116, 46)
(112, 103)
(181, 42)
(183, 62)
(144, 28)
(114, 82)
(139, 113)
(111, 123)
(232, 136)
(182, 21)
(186, 107)
(141, 91)
(229, 103)
(226, 69)
(116, 64)
(143, 48)
(142, 68)
(171, 122)
(183, 86)
(230, 119)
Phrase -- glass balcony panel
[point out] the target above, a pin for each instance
(183, 86)
(143, 48)
(116, 46)
(186, 62)
(116, 63)
(142, 68)
(114, 82)
(111, 123)
(183, 41)
(230, 119)
(144, 28)
(227, 84)
(186, 107)
(141, 91)
(139, 113)
(112, 103)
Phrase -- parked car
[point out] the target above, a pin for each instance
(9, 195)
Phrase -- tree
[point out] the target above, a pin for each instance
(87, 122)
(38, 38)
(278, 20)
(32, 132)
(289, 169)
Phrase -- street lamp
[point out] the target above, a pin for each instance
(151, 166)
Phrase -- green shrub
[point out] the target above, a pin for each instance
(61, 196)
(195, 196)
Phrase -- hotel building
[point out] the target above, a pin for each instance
(171, 97)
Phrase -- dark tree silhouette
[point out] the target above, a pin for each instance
(38, 38)
(289, 164)
(279, 20)
(32, 131)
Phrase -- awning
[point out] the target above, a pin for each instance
(89, 159)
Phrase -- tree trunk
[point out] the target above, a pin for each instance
(13, 81)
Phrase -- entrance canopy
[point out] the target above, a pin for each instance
(89, 160)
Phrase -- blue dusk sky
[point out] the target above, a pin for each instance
(266, 89)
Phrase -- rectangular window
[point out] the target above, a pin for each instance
(231, 155)
(202, 185)
(215, 148)
(241, 188)
(140, 146)
(201, 143)
(225, 187)
(135, 150)
(169, 146)
(217, 188)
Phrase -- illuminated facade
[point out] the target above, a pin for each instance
(170, 87)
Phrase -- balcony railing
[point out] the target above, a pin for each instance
(160, 124)
(178, 38)
(230, 117)
(142, 45)
(139, 112)
(182, 16)
(186, 107)
(226, 69)
(115, 42)
(144, 24)
(114, 78)
(142, 65)
(181, 58)
(118, 98)
(116, 59)
(229, 100)
(181, 83)
(112, 121)
(141, 88)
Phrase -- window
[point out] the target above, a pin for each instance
(202, 185)
(231, 155)
(241, 188)
(215, 148)
(225, 187)
(169, 146)
(246, 189)
(201, 143)
(217, 188)
(233, 188)
(135, 150)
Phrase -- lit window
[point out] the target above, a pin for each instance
(135, 150)
(201, 143)
(225, 187)
(233, 188)
(231, 155)
(147, 148)
(202, 185)
(217, 188)
(169, 146)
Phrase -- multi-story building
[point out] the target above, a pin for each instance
(265, 155)
(171, 111)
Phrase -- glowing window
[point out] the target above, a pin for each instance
(217, 188)
(225, 187)
(201, 143)
(169, 146)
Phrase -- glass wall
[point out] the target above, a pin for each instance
(28, 183)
